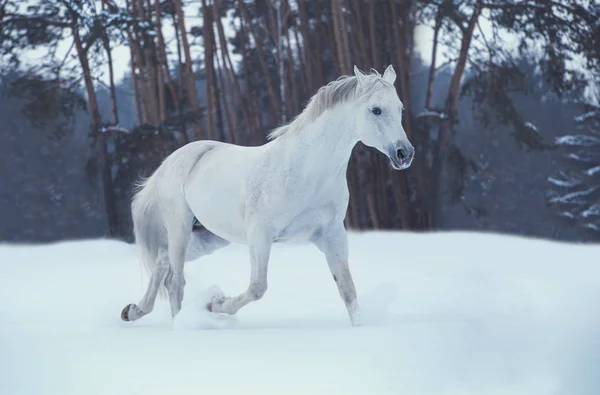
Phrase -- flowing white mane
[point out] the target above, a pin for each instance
(334, 93)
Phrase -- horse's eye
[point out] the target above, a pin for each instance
(376, 111)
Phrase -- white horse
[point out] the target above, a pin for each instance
(207, 194)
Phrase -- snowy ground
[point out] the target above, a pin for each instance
(457, 313)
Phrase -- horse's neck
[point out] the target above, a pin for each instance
(326, 144)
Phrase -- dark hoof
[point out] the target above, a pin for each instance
(125, 312)
(219, 299)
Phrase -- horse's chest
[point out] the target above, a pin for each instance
(297, 209)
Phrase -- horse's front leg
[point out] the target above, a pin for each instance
(333, 242)
(259, 244)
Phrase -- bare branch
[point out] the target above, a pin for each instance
(60, 66)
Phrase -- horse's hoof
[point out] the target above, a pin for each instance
(211, 305)
(125, 312)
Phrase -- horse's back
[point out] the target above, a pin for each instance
(176, 168)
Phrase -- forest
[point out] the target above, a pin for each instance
(502, 104)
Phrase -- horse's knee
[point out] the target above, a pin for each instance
(257, 291)
(174, 280)
(162, 262)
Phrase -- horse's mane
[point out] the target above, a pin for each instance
(329, 96)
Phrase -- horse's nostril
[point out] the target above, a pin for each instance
(401, 154)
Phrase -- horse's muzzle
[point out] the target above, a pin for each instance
(401, 155)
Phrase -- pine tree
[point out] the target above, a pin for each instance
(561, 29)
(575, 189)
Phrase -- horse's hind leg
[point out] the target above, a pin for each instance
(133, 312)
(201, 242)
(178, 236)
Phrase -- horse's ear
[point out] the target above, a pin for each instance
(389, 74)
(359, 75)
(357, 72)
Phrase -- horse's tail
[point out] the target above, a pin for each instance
(148, 228)
(147, 213)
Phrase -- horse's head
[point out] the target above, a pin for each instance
(379, 117)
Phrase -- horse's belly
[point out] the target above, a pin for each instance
(221, 217)
(297, 232)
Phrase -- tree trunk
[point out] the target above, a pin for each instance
(372, 209)
(141, 60)
(256, 137)
(191, 80)
(209, 75)
(111, 78)
(322, 38)
(136, 89)
(309, 57)
(293, 81)
(261, 58)
(353, 216)
(151, 60)
(341, 43)
(301, 58)
(137, 68)
(281, 61)
(359, 33)
(179, 97)
(441, 168)
(165, 63)
(232, 83)
(100, 138)
(231, 116)
(161, 63)
(372, 36)
(431, 78)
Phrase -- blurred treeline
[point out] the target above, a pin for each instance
(501, 81)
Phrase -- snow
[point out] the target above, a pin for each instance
(570, 197)
(585, 158)
(532, 127)
(432, 114)
(444, 313)
(114, 129)
(567, 214)
(578, 140)
(563, 183)
(586, 116)
(593, 170)
(593, 210)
